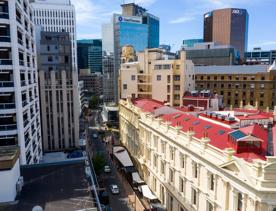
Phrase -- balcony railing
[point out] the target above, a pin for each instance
(21, 62)
(20, 41)
(27, 141)
(5, 62)
(19, 19)
(24, 103)
(4, 15)
(7, 105)
(8, 127)
(26, 122)
(5, 38)
(29, 64)
(6, 84)
(23, 83)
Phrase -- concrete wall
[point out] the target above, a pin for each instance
(8, 181)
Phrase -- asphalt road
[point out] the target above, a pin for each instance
(117, 202)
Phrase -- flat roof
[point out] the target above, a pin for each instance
(234, 69)
(59, 186)
(8, 156)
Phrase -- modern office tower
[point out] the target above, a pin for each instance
(92, 83)
(108, 78)
(227, 27)
(259, 56)
(58, 92)
(165, 47)
(57, 16)
(253, 85)
(90, 55)
(154, 75)
(191, 42)
(210, 53)
(19, 101)
(198, 162)
(134, 27)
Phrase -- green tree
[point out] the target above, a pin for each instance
(93, 102)
(98, 163)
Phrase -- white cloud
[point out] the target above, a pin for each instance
(184, 19)
(145, 3)
(89, 36)
(86, 11)
(268, 43)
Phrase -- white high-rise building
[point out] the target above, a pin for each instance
(19, 101)
(60, 118)
(57, 16)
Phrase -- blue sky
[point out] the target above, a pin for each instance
(181, 19)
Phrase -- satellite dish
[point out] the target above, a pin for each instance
(37, 208)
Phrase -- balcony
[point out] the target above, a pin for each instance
(8, 141)
(24, 103)
(23, 83)
(21, 62)
(5, 56)
(8, 127)
(6, 84)
(7, 106)
(4, 10)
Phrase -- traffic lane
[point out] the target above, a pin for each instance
(116, 201)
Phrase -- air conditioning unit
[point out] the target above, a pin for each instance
(19, 184)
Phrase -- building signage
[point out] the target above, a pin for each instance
(236, 11)
(130, 19)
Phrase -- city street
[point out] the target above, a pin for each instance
(117, 202)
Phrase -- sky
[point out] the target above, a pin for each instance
(181, 19)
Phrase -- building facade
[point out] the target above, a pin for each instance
(19, 101)
(134, 27)
(92, 84)
(191, 42)
(57, 16)
(211, 53)
(58, 92)
(187, 169)
(227, 27)
(259, 56)
(90, 55)
(153, 75)
(253, 85)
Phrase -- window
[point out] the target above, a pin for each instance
(133, 77)
(50, 58)
(182, 161)
(262, 86)
(155, 161)
(166, 66)
(48, 48)
(176, 97)
(195, 170)
(176, 87)
(194, 196)
(171, 175)
(181, 185)
(177, 78)
(162, 167)
(124, 86)
(172, 154)
(240, 202)
(168, 78)
(158, 77)
(210, 206)
(211, 182)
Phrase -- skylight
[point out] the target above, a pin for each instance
(196, 122)
(186, 119)
(221, 132)
(207, 126)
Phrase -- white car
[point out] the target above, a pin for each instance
(114, 189)
(107, 169)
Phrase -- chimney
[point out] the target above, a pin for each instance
(241, 104)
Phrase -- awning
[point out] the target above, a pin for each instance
(144, 189)
(122, 155)
(136, 178)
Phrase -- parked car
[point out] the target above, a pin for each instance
(107, 169)
(114, 189)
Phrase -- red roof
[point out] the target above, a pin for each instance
(218, 134)
(253, 114)
(199, 127)
(257, 131)
(148, 105)
(196, 97)
(218, 120)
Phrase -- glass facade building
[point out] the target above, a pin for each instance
(258, 56)
(133, 34)
(90, 55)
(153, 30)
(191, 42)
(227, 27)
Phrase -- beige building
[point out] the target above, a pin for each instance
(187, 169)
(155, 74)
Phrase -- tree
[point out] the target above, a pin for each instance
(98, 163)
(93, 102)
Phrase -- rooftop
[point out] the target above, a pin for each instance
(235, 69)
(59, 186)
(217, 133)
(8, 156)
